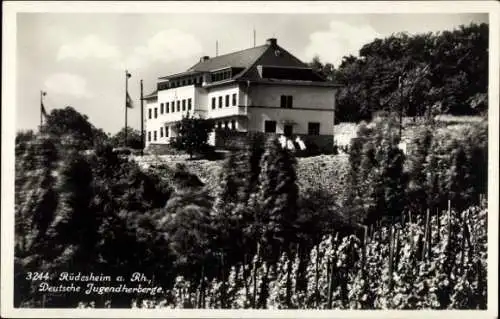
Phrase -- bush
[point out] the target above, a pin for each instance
(193, 135)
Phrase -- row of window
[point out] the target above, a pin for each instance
(270, 127)
(180, 82)
(164, 132)
(189, 81)
(228, 125)
(222, 75)
(221, 100)
(286, 101)
(171, 107)
(313, 128)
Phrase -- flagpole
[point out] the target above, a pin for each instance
(126, 105)
(42, 108)
(41, 113)
(142, 121)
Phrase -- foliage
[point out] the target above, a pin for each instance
(343, 274)
(455, 167)
(442, 72)
(376, 180)
(193, 134)
(68, 122)
(24, 136)
(274, 203)
(84, 213)
(133, 138)
(187, 222)
(327, 70)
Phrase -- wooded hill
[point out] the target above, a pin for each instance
(434, 73)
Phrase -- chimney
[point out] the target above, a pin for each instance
(204, 58)
(272, 42)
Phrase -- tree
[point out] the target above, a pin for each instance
(376, 179)
(417, 164)
(447, 68)
(193, 134)
(187, 225)
(69, 122)
(275, 203)
(133, 138)
(24, 136)
(327, 70)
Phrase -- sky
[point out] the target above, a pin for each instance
(80, 59)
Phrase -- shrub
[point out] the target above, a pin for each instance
(193, 134)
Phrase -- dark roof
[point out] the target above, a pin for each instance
(284, 73)
(239, 59)
(265, 62)
(151, 95)
(189, 72)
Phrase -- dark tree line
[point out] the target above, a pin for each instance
(89, 213)
(424, 74)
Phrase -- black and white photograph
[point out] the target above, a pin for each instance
(240, 159)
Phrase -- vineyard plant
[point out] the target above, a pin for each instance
(445, 271)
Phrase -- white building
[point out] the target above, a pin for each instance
(263, 88)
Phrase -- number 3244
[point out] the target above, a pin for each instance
(33, 276)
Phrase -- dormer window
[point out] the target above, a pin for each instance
(221, 75)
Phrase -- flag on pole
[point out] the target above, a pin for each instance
(130, 103)
(42, 107)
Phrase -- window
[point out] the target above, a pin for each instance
(149, 113)
(270, 126)
(166, 131)
(233, 124)
(154, 135)
(286, 101)
(161, 108)
(183, 82)
(234, 99)
(156, 112)
(173, 106)
(189, 104)
(313, 128)
(288, 130)
(183, 105)
(283, 101)
(161, 131)
(220, 102)
(226, 125)
(167, 108)
(220, 125)
(149, 136)
(178, 106)
(227, 100)
(213, 103)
